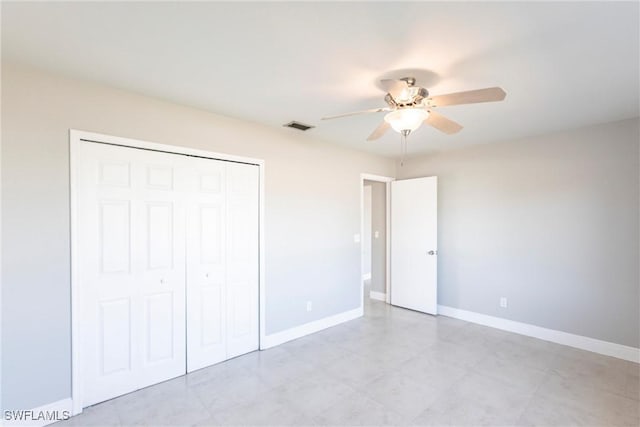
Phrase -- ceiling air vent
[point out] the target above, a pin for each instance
(297, 125)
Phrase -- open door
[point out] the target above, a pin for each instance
(414, 240)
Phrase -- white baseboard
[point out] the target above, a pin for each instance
(309, 328)
(40, 416)
(366, 276)
(380, 296)
(578, 341)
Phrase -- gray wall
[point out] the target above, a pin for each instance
(378, 246)
(366, 232)
(552, 223)
(312, 212)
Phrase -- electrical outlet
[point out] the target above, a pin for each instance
(376, 234)
(356, 238)
(503, 302)
(309, 306)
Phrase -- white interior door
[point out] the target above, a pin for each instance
(131, 273)
(414, 227)
(222, 266)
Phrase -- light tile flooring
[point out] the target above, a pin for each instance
(397, 367)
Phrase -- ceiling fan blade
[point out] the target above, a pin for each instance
(394, 87)
(380, 130)
(490, 94)
(442, 123)
(353, 113)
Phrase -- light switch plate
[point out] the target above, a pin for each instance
(376, 234)
(356, 238)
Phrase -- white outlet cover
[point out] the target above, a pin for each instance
(356, 238)
(376, 234)
(309, 306)
(503, 302)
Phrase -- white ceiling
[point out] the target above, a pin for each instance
(563, 65)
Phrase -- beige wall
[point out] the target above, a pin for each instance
(312, 212)
(551, 223)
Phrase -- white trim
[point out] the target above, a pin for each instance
(388, 243)
(380, 296)
(379, 178)
(74, 142)
(310, 328)
(262, 261)
(1, 395)
(387, 180)
(175, 149)
(55, 407)
(572, 340)
(366, 276)
(75, 138)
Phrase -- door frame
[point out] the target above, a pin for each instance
(76, 137)
(387, 181)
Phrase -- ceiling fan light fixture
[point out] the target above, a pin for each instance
(406, 119)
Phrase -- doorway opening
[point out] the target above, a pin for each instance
(375, 227)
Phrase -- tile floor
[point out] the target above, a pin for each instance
(392, 367)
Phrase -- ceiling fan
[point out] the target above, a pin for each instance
(409, 106)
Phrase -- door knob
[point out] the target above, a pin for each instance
(432, 253)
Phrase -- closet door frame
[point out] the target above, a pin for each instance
(77, 137)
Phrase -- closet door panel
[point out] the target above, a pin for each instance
(206, 263)
(161, 237)
(242, 259)
(106, 279)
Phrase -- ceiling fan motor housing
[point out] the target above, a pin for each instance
(411, 97)
(410, 80)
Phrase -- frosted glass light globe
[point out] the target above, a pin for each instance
(406, 119)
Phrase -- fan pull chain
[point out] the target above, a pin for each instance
(403, 145)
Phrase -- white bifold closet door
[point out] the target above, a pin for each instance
(168, 265)
(222, 262)
(131, 216)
